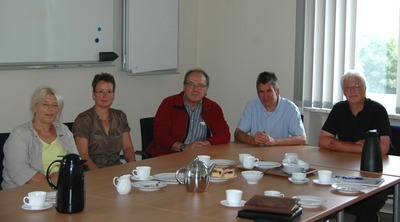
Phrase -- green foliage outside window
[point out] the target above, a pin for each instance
(378, 59)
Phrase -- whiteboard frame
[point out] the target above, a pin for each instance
(54, 65)
(50, 22)
(127, 44)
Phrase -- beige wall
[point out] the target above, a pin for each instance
(239, 39)
(233, 40)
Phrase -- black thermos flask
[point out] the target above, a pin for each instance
(371, 157)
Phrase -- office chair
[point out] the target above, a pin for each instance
(395, 140)
(69, 125)
(394, 150)
(3, 138)
(146, 131)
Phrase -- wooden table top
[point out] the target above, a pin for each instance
(324, 157)
(174, 203)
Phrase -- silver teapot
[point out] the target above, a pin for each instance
(196, 176)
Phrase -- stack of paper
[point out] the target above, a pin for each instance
(367, 181)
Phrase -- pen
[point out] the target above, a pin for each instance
(350, 178)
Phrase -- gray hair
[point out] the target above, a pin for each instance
(39, 94)
(197, 70)
(353, 74)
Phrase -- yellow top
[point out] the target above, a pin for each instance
(50, 153)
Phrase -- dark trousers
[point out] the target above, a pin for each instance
(367, 209)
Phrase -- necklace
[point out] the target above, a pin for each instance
(104, 119)
(103, 114)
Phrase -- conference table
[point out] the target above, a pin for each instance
(175, 203)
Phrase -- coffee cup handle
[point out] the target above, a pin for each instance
(256, 160)
(25, 198)
(282, 195)
(115, 180)
(134, 172)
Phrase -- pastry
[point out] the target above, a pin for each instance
(220, 172)
(229, 173)
(217, 172)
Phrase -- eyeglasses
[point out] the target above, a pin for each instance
(192, 85)
(101, 92)
(356, 87)
(48, 105)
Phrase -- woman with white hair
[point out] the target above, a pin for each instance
(33, 146)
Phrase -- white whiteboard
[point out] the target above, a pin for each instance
(35, 31)
(150, 38)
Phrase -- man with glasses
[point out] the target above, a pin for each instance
(188, 120)
(345, 131)
(346, 126)
(269, 119)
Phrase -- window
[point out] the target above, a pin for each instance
(340, 35)
(377, 48)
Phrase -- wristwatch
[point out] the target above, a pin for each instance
(182, 147)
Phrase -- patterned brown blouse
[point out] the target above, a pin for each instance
(104, 149)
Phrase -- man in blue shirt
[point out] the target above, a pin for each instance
(270, 120)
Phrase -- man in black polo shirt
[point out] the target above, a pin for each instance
(345, 131)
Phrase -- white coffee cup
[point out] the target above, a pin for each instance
(141, 172)
(35, 199)
(249, 162)
(241, 155)
(205, 159)
(233, 196)
(324, 176)
(298, 176)
(273, 193)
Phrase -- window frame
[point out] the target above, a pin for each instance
(317, 82)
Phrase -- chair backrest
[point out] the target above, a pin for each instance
(69, 125)
(3, 138)
(146, 131)
(395, 138)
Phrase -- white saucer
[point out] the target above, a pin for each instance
(267, 165)
(225, 203)
(310, 201)
(298, 181)
(243, 168)
(222, 179)
(149, 185)
(222, 162)
(348, 188)
(318, 182)
(169, 178)
(47, 205)
(137, 178)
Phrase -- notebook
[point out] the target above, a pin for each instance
(268, 204)
(366, 181)
(258, 216)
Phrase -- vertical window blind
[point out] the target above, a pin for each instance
(329, 47)
(326, 48)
